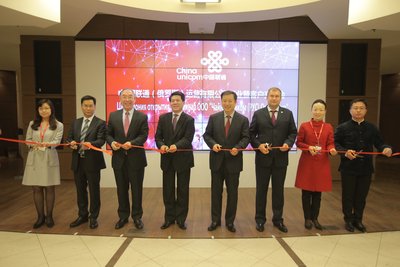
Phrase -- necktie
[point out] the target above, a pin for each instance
(126, 123)
(273, 118)
(227, 125)
(174, 121)
(83, 135)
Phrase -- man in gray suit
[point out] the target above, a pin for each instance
(87, 163)
(128, 127)
(271, 126)
(175, 130)
(227, 129)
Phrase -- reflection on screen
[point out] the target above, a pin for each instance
(202, 70)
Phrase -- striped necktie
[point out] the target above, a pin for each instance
(83, 135)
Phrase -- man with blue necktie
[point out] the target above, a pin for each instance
(87, 163)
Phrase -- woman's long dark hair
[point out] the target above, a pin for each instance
(38, 118)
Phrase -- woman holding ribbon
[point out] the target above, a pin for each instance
(315, 139)
(42, 170)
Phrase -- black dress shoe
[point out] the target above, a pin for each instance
(213, 226)
(308, 224)
(138, 223)
(49, 221)
(260, 227)
(231, 228)
(349, 226)
(93, 224)
(281, 227)
(78, 221)
(121, 223)
(38, 223)
(360, 226)
(317, 225)
(166, 224)
(182, 225)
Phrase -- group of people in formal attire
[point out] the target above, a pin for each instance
(272, 132)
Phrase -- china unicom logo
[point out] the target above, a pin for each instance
(214, 61)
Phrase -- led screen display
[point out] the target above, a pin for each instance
(202, 70)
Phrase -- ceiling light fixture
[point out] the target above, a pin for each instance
(201, 1)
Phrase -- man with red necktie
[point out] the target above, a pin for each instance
(125, 128)
(227, 129)
(175, 130)
(272, 125)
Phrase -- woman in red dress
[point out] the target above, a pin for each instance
(314, 172)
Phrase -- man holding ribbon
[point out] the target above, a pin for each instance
(272, 126)
(175, 130)
(127, 132)
(87, 163)
(227, 133)
(354, 136)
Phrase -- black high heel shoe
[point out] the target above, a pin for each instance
(38, 223)
(49, 221)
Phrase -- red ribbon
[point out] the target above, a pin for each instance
(67, 144)
(254, 149)
(182, 149)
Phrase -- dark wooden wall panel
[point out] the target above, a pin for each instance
(220, 32)
(333, 85)
(101, 24)
(390, 109)
(8, 112)
(104, 26)
(254, 31)
(147, 29)
(68, 95)
(299, 29)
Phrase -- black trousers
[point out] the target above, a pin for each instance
(176, 208)
(83, 179)
(217, 187)
(263, 176)
(311, 204)
(354, 194)
(126, 178)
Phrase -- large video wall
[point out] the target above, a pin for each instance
(202, 70)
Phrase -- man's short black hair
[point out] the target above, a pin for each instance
(229, 92)
(88, 97)
(358, 100)
(182, 95)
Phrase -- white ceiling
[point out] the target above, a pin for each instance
(370, 19)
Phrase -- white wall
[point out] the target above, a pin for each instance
(90, 79)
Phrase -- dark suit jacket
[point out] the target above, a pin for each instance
(182, 138)
(238, 137)
(96, 135)
(137, 135)
(262, 131)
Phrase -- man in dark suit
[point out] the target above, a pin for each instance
(227, 129)
(175, 130)
(126, 128)
(87, 163)
(353, 136)
(271, 126)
